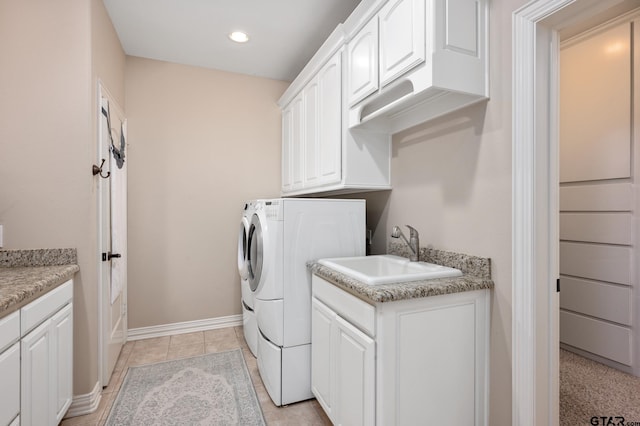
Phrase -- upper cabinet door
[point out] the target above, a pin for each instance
(312, 127)
(287, 138)
(296, 143)
(362, 69)
(402, 38)
(330, 131)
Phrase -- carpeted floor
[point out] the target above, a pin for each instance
(589, 389)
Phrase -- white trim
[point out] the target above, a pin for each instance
(184, 327)
(85, 404)
(534, 208)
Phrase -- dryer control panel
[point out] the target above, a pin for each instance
(273, 209)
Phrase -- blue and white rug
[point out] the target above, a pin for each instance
(213, 389)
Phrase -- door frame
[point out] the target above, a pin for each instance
(102, 359)
(535, 236)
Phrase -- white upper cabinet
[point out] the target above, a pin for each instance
(312, 132)
(402, 38)
(362, 70)
(432, 60)
(393, 64)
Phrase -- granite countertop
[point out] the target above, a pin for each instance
(26, 275)
(476, 276)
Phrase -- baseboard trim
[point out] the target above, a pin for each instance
(184, 327)
(85, 404)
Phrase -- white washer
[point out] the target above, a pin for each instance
(284, 234)
(249, 322)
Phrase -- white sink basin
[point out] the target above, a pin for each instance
(384, 269)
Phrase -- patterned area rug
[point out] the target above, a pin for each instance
(213, 389)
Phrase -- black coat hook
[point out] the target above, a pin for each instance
(98, 170)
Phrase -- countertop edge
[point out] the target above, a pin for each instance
(42, 280)
(400, 291)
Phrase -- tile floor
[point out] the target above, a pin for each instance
(191, 344)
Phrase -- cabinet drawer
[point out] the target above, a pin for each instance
(45, 306)
(601, 338)
(10, 384)
(597, 299)
(9, 330)
(354, 310)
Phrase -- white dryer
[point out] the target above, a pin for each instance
(285, 234)
(249, 323)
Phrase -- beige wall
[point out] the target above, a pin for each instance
(47, 145)
(451, 179)
(201, 142)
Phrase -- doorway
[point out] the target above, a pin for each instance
(535, 331)
(112, 235)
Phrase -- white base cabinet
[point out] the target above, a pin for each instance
(36, 360)
(9, 368)
(46, 366)
(418, 361)
(343, 368)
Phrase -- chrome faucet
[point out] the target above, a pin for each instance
(413, 242)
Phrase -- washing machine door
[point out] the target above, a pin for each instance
(243, 248)
(255, 252)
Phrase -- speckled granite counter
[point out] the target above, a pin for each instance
(476, 276)
(28, 274)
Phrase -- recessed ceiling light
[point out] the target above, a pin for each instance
(239, 37)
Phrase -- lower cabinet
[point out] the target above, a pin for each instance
(417, 361)
(343, 368)
(46, 367)
(37, 368)
(36, 360)
(9, 368)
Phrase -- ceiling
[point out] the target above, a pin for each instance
(284, 34)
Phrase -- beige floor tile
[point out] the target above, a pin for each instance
(298, 414)
(187, 339)
(153, 342)
(185, 351)
(218, 334)
(321, 414)
(107, 409)
(240, 336)
(263, 397)
(252, 366)
(141, 357)
(221, 345)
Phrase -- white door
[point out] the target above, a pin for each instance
(112, 208)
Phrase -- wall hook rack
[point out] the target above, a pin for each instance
(98, 170)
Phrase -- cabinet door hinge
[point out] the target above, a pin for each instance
(558, 285)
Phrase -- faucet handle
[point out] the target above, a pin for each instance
(413, 231)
